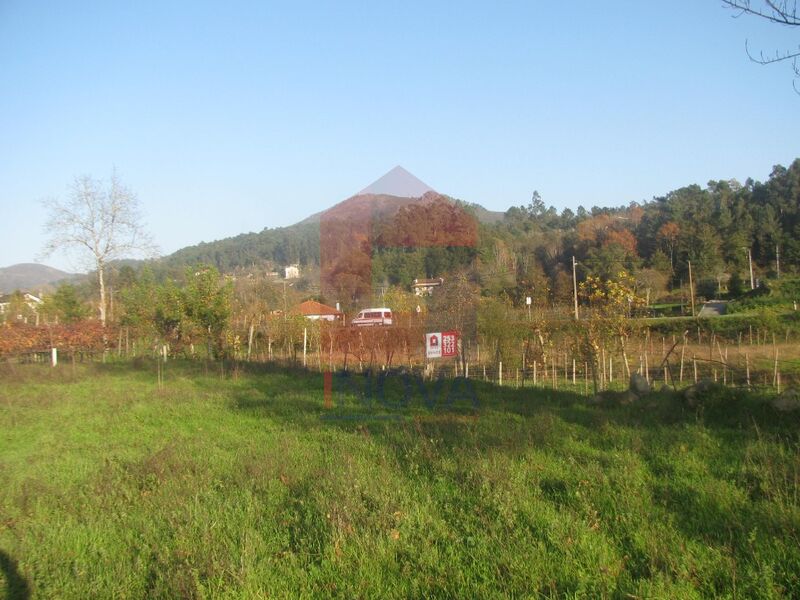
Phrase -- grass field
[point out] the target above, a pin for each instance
(234, 485)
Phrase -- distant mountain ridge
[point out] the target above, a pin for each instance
(299, 243)
(397, 182)
(31, 277)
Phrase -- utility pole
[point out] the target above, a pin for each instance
(691, 286)
(575, 287)
(750, 262)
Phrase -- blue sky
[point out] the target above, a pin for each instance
(231, 117)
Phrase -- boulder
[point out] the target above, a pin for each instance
(609, 398)
(639, 385)
(788, 401)
(694, 393)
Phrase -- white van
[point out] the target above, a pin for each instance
(370, 317)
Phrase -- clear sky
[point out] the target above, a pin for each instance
(229, 117)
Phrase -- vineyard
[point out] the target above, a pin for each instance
(522, 353)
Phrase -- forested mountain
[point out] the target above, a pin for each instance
(529, 249)
(297, 243)
(713, 227)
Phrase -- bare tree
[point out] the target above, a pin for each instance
(101, 222)
(780, 12)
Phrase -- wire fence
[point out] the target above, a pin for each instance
(763, 370)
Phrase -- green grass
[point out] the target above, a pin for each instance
(233, 486)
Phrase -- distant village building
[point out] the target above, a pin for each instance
(316, 311)
(31, 301)
(425, 287)
(291, 272)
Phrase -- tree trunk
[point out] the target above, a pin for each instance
(102, 283)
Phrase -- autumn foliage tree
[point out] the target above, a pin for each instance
(607, 319)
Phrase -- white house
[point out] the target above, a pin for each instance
(425, 287)
(291, 272)
(33, 302)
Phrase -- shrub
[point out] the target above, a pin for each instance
(707, 288)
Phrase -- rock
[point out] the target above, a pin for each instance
(788, 401)
(639, 385)
(597, 399)
(609, 398)
(694, 393)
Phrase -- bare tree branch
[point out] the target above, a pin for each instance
(781, 12)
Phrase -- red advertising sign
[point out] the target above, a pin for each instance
(449, 343)
(441, 344)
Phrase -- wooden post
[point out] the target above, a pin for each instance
(603, 362)
(725, 372)
(575, 287)
(534, 372)
(775, 370)
(573, 371)
(747, 367)
(586, 378)
(694, 365)
(305, 342)
(500, 371)
(250, 340)
(683, 351)
(54, 356)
